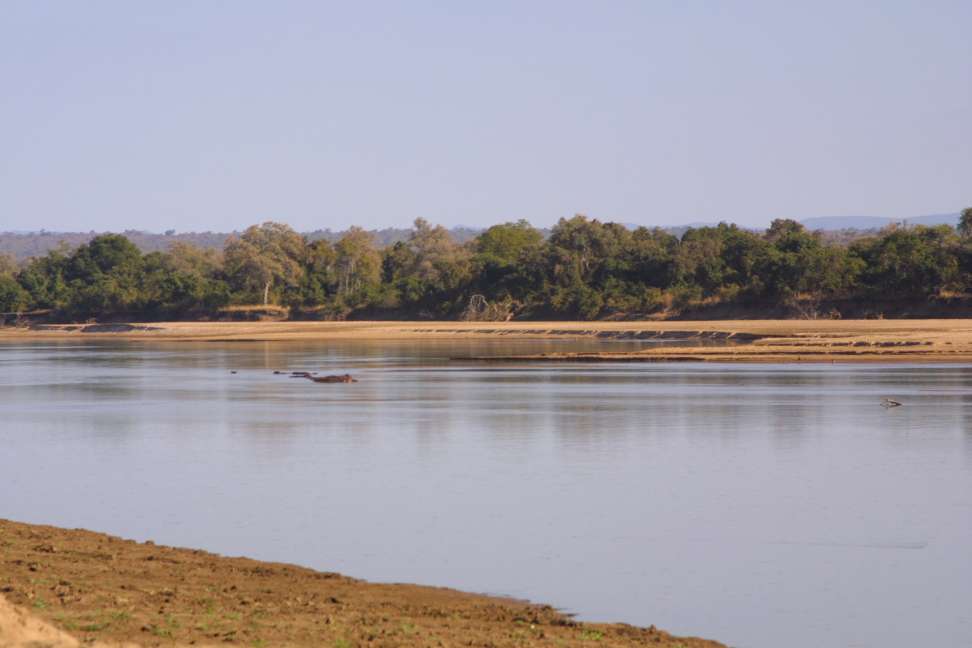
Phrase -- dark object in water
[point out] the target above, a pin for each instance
(232, 372)
(277, 373)
(300, 374)
(346, 378)
(117, 328)
(887, 402)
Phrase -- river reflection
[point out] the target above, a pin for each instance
(759, 505)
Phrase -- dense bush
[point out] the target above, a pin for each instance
(583, 269)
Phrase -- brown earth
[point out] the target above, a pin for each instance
(21, 629)
(96, 587)
(945, 340)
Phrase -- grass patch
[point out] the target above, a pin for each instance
(94, 627)
(409, 629)
(163, 633)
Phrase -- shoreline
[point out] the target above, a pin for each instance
(100, 588)
(785, 341)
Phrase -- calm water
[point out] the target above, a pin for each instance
(763, 506)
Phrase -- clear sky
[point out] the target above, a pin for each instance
(216, 115)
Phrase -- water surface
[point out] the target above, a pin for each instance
(760, 505)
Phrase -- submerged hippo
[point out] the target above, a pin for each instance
(346, 378)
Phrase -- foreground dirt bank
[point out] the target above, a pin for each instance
(947, 340)
(21, 629)
(96, 587)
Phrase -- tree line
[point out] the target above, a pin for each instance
(583, 269)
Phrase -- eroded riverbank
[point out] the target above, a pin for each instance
(99, 587)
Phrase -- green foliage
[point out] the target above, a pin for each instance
(320, 278)
(358, 269)
(13, 298)
(501, 246)
(263, 257)
(427, 273)
(909, 263)
(103, 277)
(798, 262)
(965, 223)
(184, 281)
(44, 280)
(585, 269)
(8, 265)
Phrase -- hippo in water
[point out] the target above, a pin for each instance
(346, 378)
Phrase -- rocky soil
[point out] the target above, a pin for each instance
(68, 586)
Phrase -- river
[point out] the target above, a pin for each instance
(759, 505)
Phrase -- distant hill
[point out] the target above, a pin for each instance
(936, 219)
(24, 245)
(833, 223)
(846, 222)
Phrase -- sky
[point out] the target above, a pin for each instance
(216, 115)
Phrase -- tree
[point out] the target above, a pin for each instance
(184, 279)
(910, 263)
(13, 298)
(799, 262)
(265, 255)
(501, 245)
(700, 259)
(104, 277)
(502, 258)
(189, 258)
(789, 264)
(43, 279)
(358, 266)
(786, 232)
(585, 258)
(320, 272)
(652, 257)
(428, 271)
(965, 223)
(587, 250)
(8, 265)
(440, 262)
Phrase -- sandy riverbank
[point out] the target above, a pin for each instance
(948, 340)
(94, 587)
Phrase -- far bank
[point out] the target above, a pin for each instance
(931, 340)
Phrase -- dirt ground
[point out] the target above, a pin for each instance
(99, 588)
(945, 340)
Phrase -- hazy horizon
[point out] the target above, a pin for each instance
(878, 221)
(217, 116)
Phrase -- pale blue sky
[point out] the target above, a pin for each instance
(215, 115)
